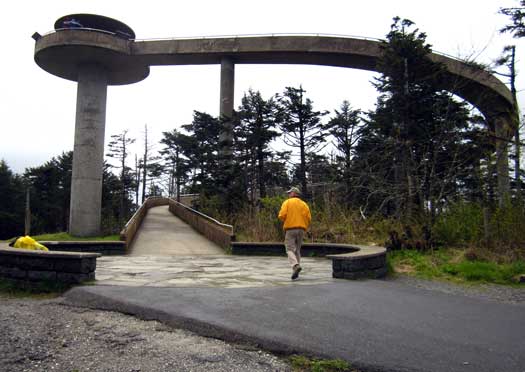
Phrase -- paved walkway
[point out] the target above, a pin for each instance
(163, 234)
(208, 271)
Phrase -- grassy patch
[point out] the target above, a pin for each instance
(485, 271)
(38, 290)
(451, 264)
(304, 364)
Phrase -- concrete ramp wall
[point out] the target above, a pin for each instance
(219, 233)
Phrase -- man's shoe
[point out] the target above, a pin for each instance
(296, 270)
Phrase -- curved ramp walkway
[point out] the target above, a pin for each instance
(163, 234)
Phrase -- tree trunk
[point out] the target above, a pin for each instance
(302, 166)
(262, 184)
(517, 165)
(502, 130)
(145, 164)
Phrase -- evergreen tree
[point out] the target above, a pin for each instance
(255, 132)
(517, 17)
(111, 201)
(413, 149)
(344, 127)
(50, 186)
(176, 146)
(276, 172)
(119, 150)
(301, 126)
(11, 203)
(204, 150)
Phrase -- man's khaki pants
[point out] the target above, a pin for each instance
(293, 239)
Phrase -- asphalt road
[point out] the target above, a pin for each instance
(376, 325)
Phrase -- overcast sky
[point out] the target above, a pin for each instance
(37, 109)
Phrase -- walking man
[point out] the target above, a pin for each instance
(296, 218)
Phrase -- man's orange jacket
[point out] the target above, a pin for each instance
(295, 214)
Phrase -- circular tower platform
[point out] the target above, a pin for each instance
(81, 39)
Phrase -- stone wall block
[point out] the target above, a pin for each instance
(35, 263)
(71, 278)
(3, 271)
(363, 263)
(68, 266)
(41, 275)
(353, 265)
(8, 261)
(88, 265)
(84, 265)
(16, 273)
(376, 262)
(338, 274)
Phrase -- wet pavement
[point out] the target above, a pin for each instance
(208, 271)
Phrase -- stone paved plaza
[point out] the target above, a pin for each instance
(208, 271)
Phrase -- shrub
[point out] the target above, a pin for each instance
(507, 226)
(462, 224)
(261, 223)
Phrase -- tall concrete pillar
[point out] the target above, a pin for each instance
(88, 154)
(226, 107)
(502, 128)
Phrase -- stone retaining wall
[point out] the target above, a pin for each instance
(368, 262)
(54, 267)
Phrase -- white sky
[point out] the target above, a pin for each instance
(37, 109)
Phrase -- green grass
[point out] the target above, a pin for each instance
(489, 272)
(304, 364)
(450, 264)
(63, 236)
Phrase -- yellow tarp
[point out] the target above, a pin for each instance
(27, 242)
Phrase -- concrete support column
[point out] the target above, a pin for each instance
(88, 154)
(226, 107)
(502, 129)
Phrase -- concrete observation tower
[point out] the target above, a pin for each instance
(93, 51)
(97, 51)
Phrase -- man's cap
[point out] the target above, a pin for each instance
(294, 189)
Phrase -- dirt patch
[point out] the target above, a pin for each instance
(405, 269)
